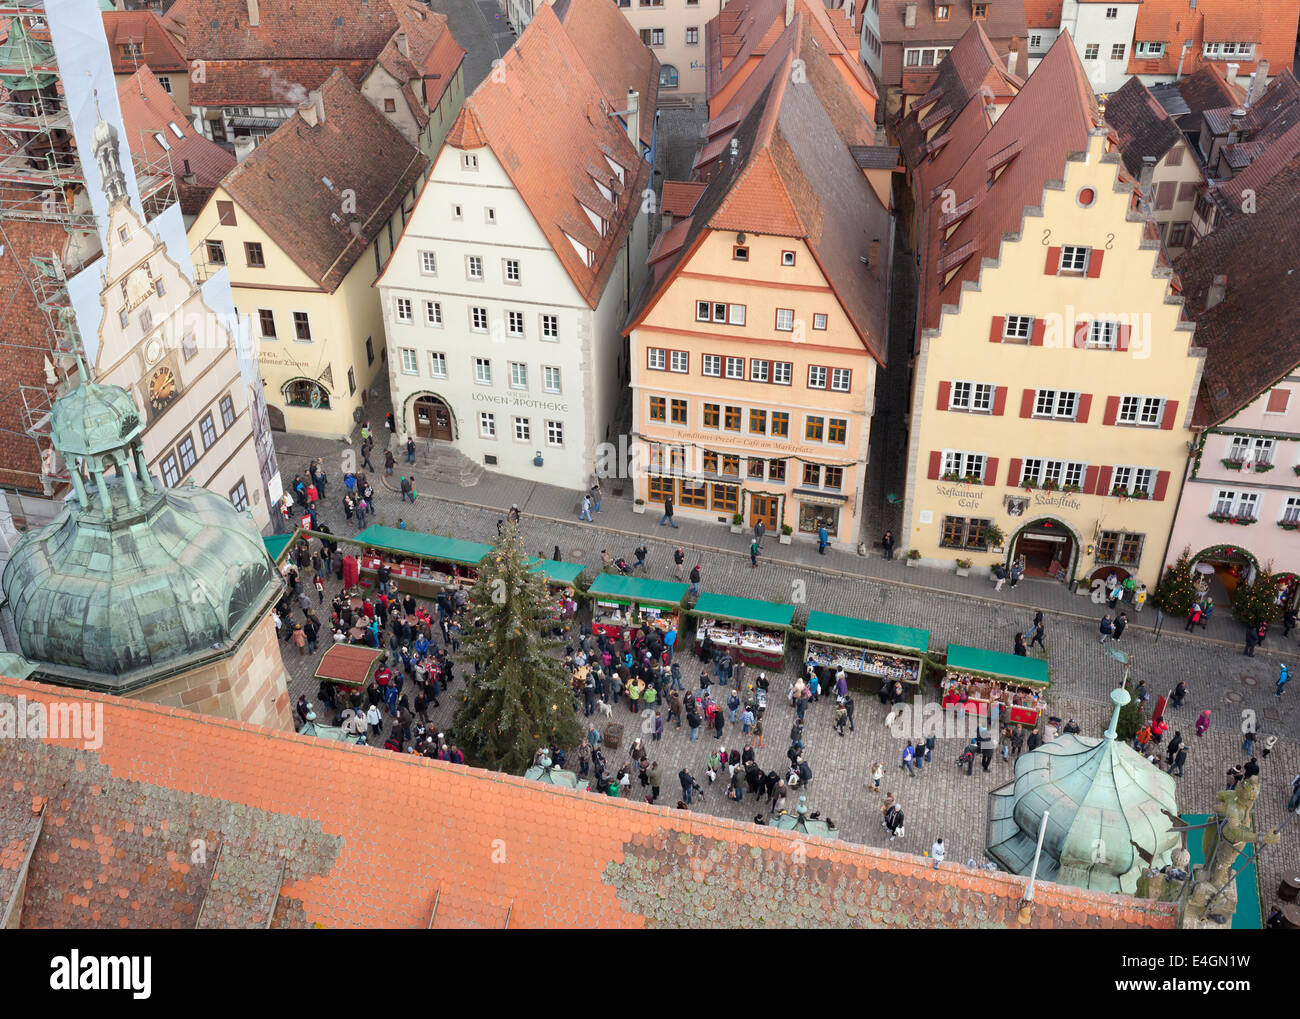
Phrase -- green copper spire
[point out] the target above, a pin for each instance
(21, 50)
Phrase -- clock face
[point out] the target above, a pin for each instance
(162, 388)
(153, 351)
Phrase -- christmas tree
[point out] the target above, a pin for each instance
(1176, 591)
(1256, 602)
(522, 699)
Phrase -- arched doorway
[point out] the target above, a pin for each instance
(275, 417)
(1049, 548)
(432, 418)
(1218, 570)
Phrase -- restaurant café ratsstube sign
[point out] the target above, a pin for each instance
(973, 498)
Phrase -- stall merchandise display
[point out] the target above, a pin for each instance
(865, 661)
(1020, 704)
(747, 638)
(418, 570)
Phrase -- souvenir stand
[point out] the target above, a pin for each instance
(875, 652)
(753, 631)
(561, 580)
(621, 603)
(1018, 684)
(422, 564)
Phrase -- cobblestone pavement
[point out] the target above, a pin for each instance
(939, 801)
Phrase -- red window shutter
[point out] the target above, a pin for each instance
(1112, 410)
(1085, 407)
(1039, 331)
(1053, 261)
(1162, 485)
(1103, 481)
(996, 328)
(1081, 334)
(1090, 481)
(999, 401)
(1165, 194)
(944, 389)
(1013, 472)
(1027, 403)
(1170, 415)
(1278, 400)
(1094, 263)
(1121, 340)
(991, 471)
(936, 461)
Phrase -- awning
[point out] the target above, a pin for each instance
(772, 615)
(819, 498)
(423, 546)
(997, 664)
(640, 590)
(348, 664)
(277, 543)
(556, 572)
(863, 631)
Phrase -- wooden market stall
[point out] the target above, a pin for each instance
(348, 665)
(422, 564)
(561, 581)
(619, 603)
(277, 544)
(1018, 684)
(753, 631)
(878, 652)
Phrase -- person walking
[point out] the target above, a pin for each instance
(1248, 743)
(1252, 639)
(909, 753)
(759, 530)
(586, 515)
(410, 450)
(1180, 694)
(389, 462)
(1121, 621)
(877, 773)
(1180, 759)
(999, 576)
(1107, 628)
(695, 579)
(1289, 618)
(753, 552)
(823, 539)
(667, 518)
(1282, 677)
(1203, 723)
(937, 853)
(1038, 633)
(679, 561)
(1139, 597)
(688, 783)
(1020, 648)
(595, 493)
(887, 543)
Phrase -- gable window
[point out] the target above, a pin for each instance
(941, 12)
(971, 396)
(253, 255)
(226, 214)
(390, 105)
(301, 326)
(469, 161)
(819, 321)
(1074, 259)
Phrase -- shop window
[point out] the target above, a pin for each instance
(726, 497)
(661, 488)
(693, 494)
(812, 516)
(305, 393)
(776, 470)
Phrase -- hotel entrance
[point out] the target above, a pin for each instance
(1048, 548)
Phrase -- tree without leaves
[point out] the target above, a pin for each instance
(522, 699)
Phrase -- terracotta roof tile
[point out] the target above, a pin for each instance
(1042, 13)
(280, 184)
(544, 123)
(277, 82)
(1005, 26)
(1141, 124)
(147, 110)
(679, 197)
(1270, 24)
(158, 49)
(255, 800)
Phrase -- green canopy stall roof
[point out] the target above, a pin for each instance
(423, 546)
(638, 589)
(556, 572)
(772, 615)
(277, 543)
(828, 626)
(997, 664)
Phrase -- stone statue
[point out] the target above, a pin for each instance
(1222, 844)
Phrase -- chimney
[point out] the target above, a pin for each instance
(634, 117)
(1230, 73)
(403, 47)
(1218, 290)
(789, 11)
(254, 14)
(909, 16)
(1012, 58)
(307, 111)
(1257, 82)
(1148, 172)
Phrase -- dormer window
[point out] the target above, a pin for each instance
(941, 12)
(979, 11)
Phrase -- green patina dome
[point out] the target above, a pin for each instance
(116, 592)
(21, 50)
(94, 419)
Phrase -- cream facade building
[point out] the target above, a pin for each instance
(1055, 371)
(160, 342)
(303, 226)
(504, 300)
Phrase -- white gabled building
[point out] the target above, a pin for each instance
(505, 296)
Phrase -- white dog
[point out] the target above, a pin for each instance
(604, 708)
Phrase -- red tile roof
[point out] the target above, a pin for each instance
(158, 49)
(280, 183)
(1270, 24)
(794, 175)
(1206, 88)
(549, 122)
(1005, 25)
(433, 51)
(1053, 112)
(283, 82)
(1043, 14)
(292, 827)
(1250, 336)
(1141, 124)
(1269, 139)
(147, 110)
(679, 197)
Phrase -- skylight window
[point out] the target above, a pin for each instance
(176, 130)
(161, 141)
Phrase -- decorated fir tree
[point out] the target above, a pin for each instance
(522, 700)
(1176, 591)
(1256, 602)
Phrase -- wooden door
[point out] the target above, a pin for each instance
(763, 507)
(432, 419)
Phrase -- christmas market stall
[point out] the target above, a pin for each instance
(277, 544)
(348, 665)
(621, 603)
(422, 564)
(753, 631)
(875, 652)
(561, 581)
(977, 678)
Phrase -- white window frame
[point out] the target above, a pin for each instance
(508, 266)
(437, 364)
(1138, 411)
(515, 324)
(819, 320)
(782, 373)
(1148, 50)
(735, 368)
(785, 320)
(433, 314)
(518, 375)
(656, 359)
(1290, 510)
(487, 425)
(711, 365)
(482, 371)
(818, 376)
(1103, 334)
(555, 433)
(975, 397)
(1224, 502)
(760, 369)
(428, 263)
(1070, 255)
(1133, 479)
(679, 361)
(1062, 404)
(474, 268)
(410, 361)
(403, 310)
(964, 464)
(1248, 505)
(841, 380)
(475, 312)
(523, 429)
(549, 372)
(735, 314)
(550, 328)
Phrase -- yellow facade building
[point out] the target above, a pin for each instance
(304, 226)
(755, 341)
(1055, 371)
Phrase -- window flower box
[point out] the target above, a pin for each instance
(1232, 465)
(1227, 518)
(963, 567)
(1072, 488)
(1262, 468)
(962, 479)
(1289, 525)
